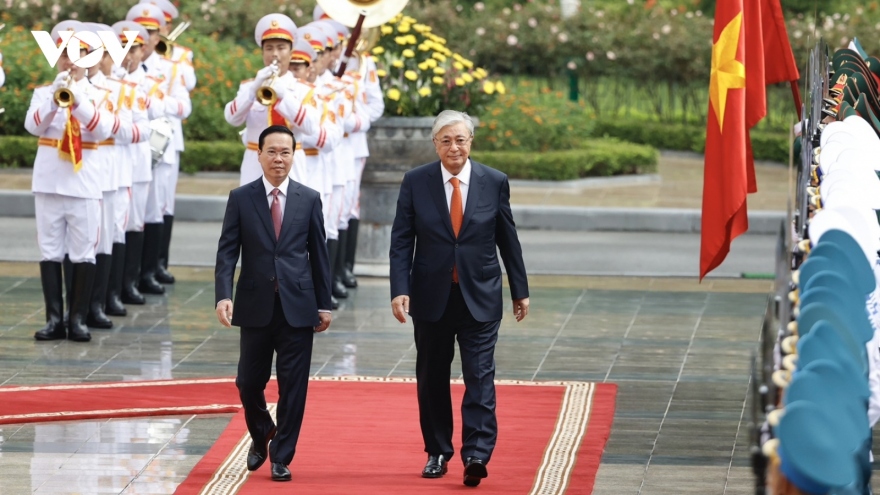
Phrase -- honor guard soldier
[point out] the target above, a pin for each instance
(112, 158)
(145, 98)
(273, 97)
(132, 152)
(172, 51)
(67, 188)
(166, 80)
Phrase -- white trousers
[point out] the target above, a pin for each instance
(120, 220)
(359, 164)
(153, 213)
(67, 225)
(349, 193)
(165, 177)
(108, 218)
(138, 208)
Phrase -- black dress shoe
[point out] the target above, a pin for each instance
(474, 471)
(280, 472)
(257, 454)
(436, 467)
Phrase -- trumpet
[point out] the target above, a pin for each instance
(166, 43)
(265, 94)
(64, 96)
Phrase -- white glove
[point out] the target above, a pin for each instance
(119, 72)
(263, 75)
(59, 81)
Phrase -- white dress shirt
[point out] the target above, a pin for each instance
(464, 178)
(282, 196)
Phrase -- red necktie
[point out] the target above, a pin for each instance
(456, 215)
(276, 213)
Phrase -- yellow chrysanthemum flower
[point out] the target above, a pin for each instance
(400, 40)
(438, 80)
(397, 63)
(378, 50)
(459, 81)
(467, 77)
(489, 87)
(411, 75)
(423, 66)
(467, 63)
(457, 57)
(477, 75)
(393, 94)
(411, 39)
(403, 27)
(431, 63)
(423, 47)
(381, 72)
(439, 56)
(419, 28)
(386, 29)
(409, 53)
(499, 86)
(440, 40)
(439, 70)
(409, 20)
(426, 91)
(458, 65)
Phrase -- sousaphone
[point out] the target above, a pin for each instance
(358, 15)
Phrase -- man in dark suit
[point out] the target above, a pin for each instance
(283, 289)
(451, 215)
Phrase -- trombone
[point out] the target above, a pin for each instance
(166, 43)
(64, 96)
(265, 94)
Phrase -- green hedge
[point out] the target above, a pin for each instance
(598, 157)
(770, 146)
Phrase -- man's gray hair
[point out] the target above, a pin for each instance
(451, 117)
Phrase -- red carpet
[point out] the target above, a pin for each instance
(362, 437)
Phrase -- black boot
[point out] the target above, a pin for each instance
(162, 273)
(338, 290)
(150, 260)
(134, 248)
(338, 284)
(348, 277)
(83, 278)
(50, 276)
(113, 305)
(96, 317)
(67, 267)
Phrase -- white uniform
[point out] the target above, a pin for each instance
(67, 201)
(169, 77)
(295, 106)
(374, 105)
(318, 149)
(185, 57)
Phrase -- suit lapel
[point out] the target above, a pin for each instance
(261, 205)
(435, 185)
(475, 189)
(293, 197)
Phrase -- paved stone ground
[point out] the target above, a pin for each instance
(679, 185)
(678, 351)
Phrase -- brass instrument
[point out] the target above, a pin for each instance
(376, 12)
(265, 94)
(365, 44)
(64, 96)
(166, 43)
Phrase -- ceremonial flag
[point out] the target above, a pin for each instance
(70, 144)
(778, 57)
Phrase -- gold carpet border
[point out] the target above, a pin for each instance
(554, 472)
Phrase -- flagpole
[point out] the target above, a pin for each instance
(796, 94)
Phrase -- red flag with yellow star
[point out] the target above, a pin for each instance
(726, 175)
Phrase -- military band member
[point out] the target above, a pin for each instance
(67, 188)
(133, 153)
(110, 154)
(183, 57)
(291, 105)
(166, 80)
(145, 98)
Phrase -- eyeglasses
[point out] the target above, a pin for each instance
(284, 154)
(459, 142)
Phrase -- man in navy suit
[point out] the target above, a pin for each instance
(451, 215)
(277, 226)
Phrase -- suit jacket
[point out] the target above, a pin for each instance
(424, 248)
(298, 260)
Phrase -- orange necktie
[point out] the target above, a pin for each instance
(456, 215)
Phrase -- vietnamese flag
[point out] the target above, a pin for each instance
(70, 145)
(726, 174)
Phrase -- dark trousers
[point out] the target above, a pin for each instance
(435, 346)
(294, 348)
